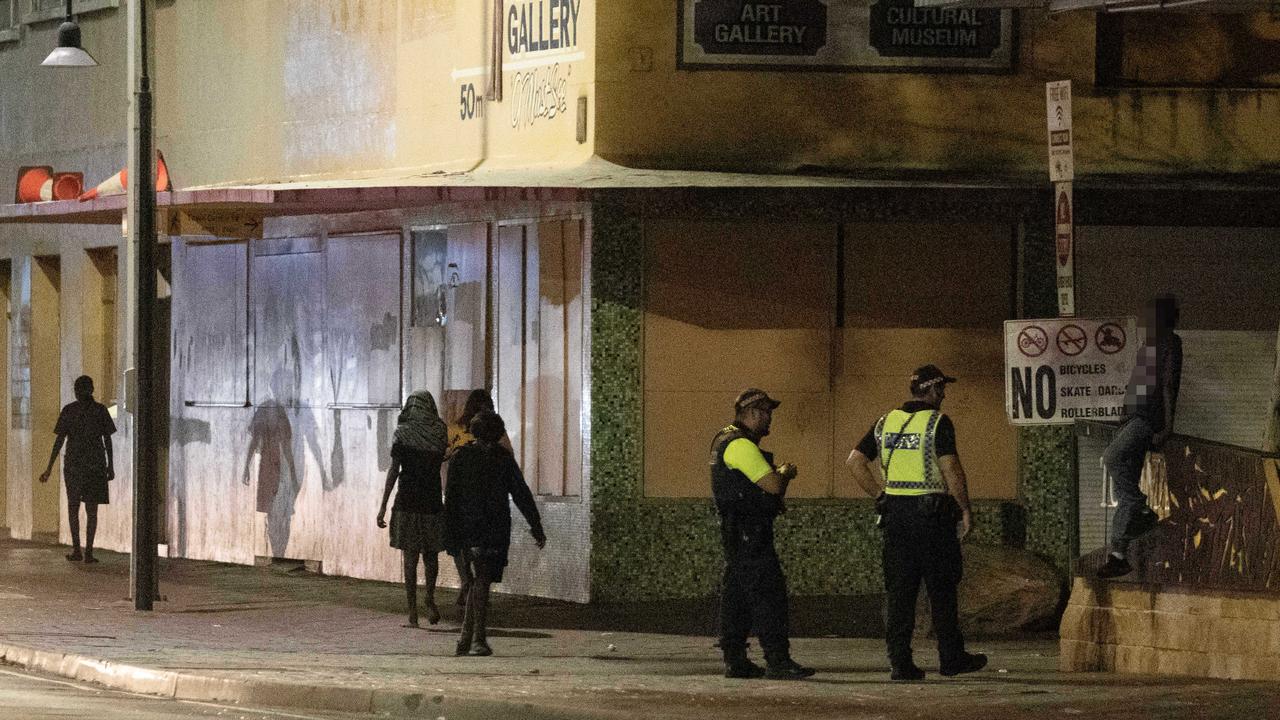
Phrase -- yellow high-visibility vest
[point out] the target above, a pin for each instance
(908, 452)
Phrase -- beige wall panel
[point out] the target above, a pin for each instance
(928, 275)
(679, 427)
(741, 275)
(549, 305)
(575, 360)
(508, 332)
(46, 390)
(681, 356)
(873, 379)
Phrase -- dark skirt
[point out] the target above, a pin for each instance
(416, 532)
(90, 490)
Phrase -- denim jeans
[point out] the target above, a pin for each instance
(1123, 460)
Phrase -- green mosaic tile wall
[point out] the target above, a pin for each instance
(1046, 474)
(644, 549)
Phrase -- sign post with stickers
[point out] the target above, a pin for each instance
(1061, 370)
(1061, 173)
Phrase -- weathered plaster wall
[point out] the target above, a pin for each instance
(654, 114)
(250, 91)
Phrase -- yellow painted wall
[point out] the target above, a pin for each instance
(254, 91)
(656, 115)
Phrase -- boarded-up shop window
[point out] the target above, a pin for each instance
(918, 293)
(731, 305)
(1189, 49)
(289, 366)
(446, 339)
(210, 320)
(538, 350)
(362, 333)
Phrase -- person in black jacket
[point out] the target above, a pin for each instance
(482, 475)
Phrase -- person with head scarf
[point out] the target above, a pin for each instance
(483, 479)
(417, 452)
(86, 428)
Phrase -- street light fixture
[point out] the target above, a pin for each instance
(142, 238)
(69, 53)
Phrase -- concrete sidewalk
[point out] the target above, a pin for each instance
(267, 636)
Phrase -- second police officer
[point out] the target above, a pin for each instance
(925, 512)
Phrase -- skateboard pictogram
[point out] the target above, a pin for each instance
(1072, 340)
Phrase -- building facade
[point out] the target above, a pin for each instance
(615, 216)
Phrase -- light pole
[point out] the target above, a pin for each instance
(141, 250)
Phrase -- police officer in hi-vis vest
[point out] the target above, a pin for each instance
(924, 509)
(748, 490)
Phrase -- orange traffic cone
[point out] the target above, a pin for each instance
(35, 183)
(118, 183)
(39, 183)
(67, 185)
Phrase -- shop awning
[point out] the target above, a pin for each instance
(386, 192)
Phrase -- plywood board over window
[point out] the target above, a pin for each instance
(288, 331)
(210, 313)
(731, 305)
(921, 293)
(538, 349)
(362, 328)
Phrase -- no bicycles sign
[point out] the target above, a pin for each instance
(1066, 369)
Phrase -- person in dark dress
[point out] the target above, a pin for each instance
(417, 452)
(482, 475)
(86, 428)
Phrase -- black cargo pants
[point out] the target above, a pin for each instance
(920, 543)
(754, 590)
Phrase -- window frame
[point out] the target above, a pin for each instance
(10, 30)
(38, 11)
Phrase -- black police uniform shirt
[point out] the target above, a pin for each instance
(944, 439)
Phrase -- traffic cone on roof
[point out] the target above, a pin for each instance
(39, 183)
(118, 183)
(35, 183)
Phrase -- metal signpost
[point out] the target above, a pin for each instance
(1061, 174)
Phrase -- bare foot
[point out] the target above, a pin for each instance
(413, 623)
(433, 614)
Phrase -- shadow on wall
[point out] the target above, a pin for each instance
(273, 439)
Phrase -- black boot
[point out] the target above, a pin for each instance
(738, 665)
(906, 672)
(480, 640)
(966, 663)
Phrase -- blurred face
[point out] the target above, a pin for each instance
(84, 388)
(758, 420)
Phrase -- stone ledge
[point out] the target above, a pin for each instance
(1126, 628)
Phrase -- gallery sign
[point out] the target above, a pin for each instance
(843, 35)
(1061, 370)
